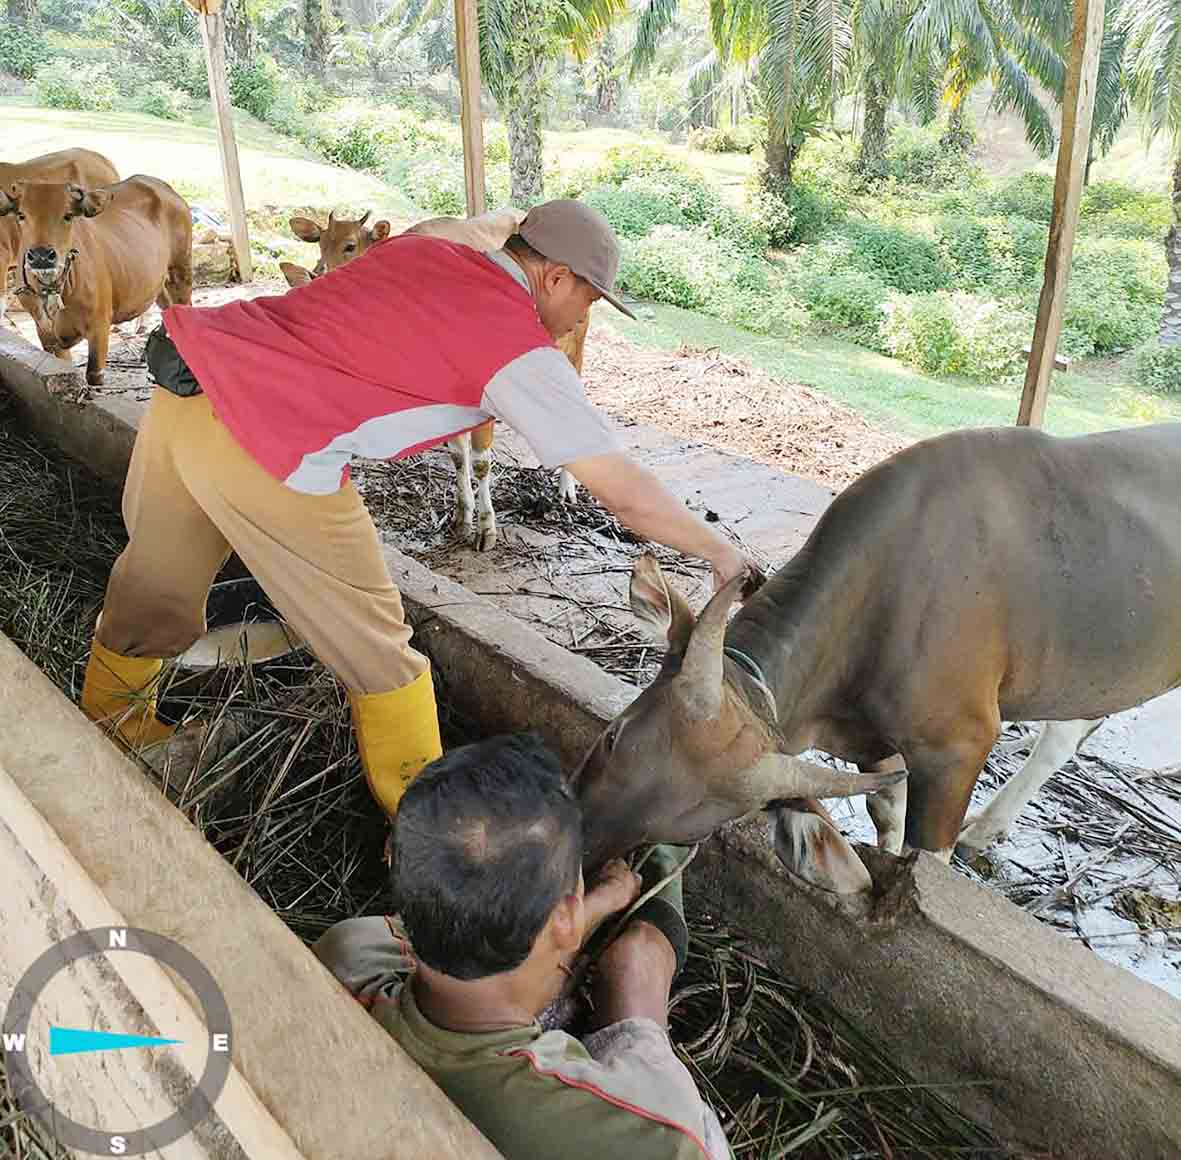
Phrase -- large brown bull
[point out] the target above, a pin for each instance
(342, 240)
(93, 257)
(80, 166)
(979, 576)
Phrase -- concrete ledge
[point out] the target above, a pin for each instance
(330, 1077)
(1077, 1056)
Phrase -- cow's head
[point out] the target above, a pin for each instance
(45, 216)
(339, 241)
(699, 747)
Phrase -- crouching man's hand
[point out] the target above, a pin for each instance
(613, 888)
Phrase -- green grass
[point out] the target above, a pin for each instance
(893, 395)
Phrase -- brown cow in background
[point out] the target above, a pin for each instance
(94, 257)
(80, 166)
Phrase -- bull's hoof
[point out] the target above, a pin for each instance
(485, 539)
(976, 837)
(95, 378)
(567, 488)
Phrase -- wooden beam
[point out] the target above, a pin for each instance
(1078, 105)
(213, 36)
(467, 52)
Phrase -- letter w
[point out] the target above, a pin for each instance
(14, 1042)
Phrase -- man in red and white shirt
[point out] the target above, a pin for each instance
(417, 340)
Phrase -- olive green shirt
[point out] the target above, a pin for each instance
(621, 1093)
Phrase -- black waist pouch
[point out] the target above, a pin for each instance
(165, 366)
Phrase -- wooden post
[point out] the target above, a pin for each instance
(213, 36)
(1077, 107)
(467, 51)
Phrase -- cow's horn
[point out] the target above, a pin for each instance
(777, 776)
(364, 217)
(331, 216)
(699, 683)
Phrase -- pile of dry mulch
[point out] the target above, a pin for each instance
(708, 396)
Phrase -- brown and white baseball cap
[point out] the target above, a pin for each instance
(576, 235)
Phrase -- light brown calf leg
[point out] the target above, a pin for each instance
(482, 469)
(98, 340)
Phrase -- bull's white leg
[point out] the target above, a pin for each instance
(567, 487)
(887, 809)
(811, 847)
(465, 499)
(1055, 746)
(485, 514)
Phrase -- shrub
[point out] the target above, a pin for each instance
(849, 299)
(964, 247)
(182, 66)
(1018, 249)
(160, 100)
(1148, 219)
(772, 215)
(623, 161)
(1029, 196)
(956, 334)
(904, 260)
(436, 185)
(22, 51)
(357, 140)
(1158, 368)
(813, 211)
(255, 88)
(916, 155)
(70, 84)
(635, 208)
(711, 139)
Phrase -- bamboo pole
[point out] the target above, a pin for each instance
(1078, 105)
(213, 36)
(467, 51)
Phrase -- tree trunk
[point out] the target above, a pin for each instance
(780, 158)
(871, 157)
(1170, 327)
(607, 74)
(524, 135)
(22, 12)
(241, 40)
(315, 38)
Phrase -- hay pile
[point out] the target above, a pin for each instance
(289, 809)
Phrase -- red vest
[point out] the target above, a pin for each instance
(382, 357)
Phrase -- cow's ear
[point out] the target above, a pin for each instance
(10, 198)
(380, 231)
(295, 275)
(92, 201)
(659, 606)
(305, 229)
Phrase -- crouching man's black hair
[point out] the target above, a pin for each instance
(486, 841)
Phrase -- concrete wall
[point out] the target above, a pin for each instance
(1077, 1056)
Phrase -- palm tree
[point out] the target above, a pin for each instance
(1014, 43)
(520, 41)
(1153, 64)
(22, 12)
(802, 50)
(317, 24)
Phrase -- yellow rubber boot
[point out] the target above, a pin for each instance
(397, 734)
(119, 694)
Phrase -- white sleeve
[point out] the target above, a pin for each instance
(540, 395)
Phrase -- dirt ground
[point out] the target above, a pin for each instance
(704, 395)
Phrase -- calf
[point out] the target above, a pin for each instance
(983, 575)
(80, 166)
(93, 257)
(340, 242)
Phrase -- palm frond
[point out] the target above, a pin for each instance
(653, 19)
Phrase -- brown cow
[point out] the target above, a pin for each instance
(341, 241)
(93, 257)
(986, 574)
(80, 166)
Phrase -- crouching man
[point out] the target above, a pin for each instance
(487, 879)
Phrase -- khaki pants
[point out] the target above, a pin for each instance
(191, 495)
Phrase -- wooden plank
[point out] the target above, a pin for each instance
(1077, 108)
(46, 892)
(213, 36)
(467, 52)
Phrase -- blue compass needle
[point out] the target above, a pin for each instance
(75, 1040)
